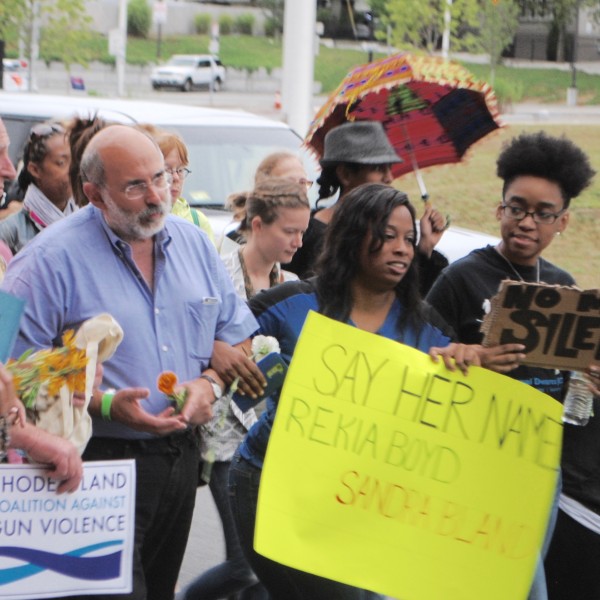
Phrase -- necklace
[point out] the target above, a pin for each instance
(512, 268)
(274, 278)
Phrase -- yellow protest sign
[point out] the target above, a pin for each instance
(388, 472)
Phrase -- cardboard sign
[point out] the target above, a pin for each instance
(559, 326)
(69, 544)
(383, 468)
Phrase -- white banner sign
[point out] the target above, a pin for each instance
(62, 545)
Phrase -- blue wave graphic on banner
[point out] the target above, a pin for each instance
(74, 563)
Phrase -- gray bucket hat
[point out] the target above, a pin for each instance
(360, 142)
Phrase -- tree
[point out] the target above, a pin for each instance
(273, 11)
(139, 18)
(420, 23)
(499, 23)
(63, 24)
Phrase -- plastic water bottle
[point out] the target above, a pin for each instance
(577, 407)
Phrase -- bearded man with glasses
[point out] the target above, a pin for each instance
(541, 175)
(161, 278)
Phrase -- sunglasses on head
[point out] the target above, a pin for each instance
(44, 130)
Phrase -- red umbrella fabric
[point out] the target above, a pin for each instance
(432, 110)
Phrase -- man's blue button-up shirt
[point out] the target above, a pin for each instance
(78, 268)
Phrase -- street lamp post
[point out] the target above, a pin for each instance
(572, 91)
(446, 32)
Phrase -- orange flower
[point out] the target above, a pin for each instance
(166, 383)
(167, 380)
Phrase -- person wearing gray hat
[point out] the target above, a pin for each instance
(358, 152)
(358, 142)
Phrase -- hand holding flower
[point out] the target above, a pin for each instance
(166, 383)
(261, 346)
(234, 363)
(193, 403)
(127, 408)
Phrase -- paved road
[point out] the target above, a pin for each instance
(205, 546)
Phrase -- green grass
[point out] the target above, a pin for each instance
(543, 85)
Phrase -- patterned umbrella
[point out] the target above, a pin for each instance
(432, 110)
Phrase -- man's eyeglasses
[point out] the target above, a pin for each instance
(540, 217)
(135, 191)
(182, 172)
(44, 130)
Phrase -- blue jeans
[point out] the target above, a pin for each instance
(235, 574)
(539, 590)
(282, 582)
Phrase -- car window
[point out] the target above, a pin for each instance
(18, 131)
(204, 63)
(182, 61)
(223, 160)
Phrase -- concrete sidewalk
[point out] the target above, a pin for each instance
(562, 114)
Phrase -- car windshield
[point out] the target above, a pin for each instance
(183, 61)
(223, 160)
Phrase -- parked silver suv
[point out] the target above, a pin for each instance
(187, 71)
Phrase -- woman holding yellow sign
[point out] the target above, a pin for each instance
(365, 278)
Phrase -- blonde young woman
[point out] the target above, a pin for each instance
(274, 217)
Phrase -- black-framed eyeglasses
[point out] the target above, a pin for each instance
(44, 130)
(182, 172)
(161, 181)
(541, 217)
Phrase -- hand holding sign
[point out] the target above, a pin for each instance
(503, 358)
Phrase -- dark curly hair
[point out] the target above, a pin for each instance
(83, 129)
(365, 210)
(36, 148)
(541, 155)
(329, 182)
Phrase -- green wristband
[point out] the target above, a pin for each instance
(105, 405)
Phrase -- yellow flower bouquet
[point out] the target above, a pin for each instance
(40, 375)
(47, 379)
